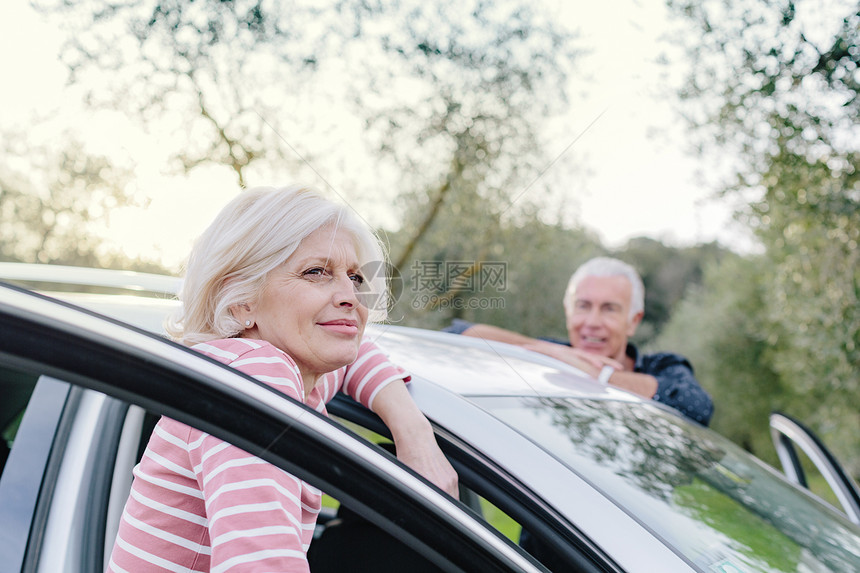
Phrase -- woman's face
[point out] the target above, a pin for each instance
(309, 308)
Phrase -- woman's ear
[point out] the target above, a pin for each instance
(244, 314)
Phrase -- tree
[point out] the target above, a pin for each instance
(667, 273)
(516, 281)
(766, 77)
(446, 98)
(50, 198)
(775, 86)
(721, 326)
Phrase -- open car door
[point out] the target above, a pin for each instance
(787, 433)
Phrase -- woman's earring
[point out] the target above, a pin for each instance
(247, 323)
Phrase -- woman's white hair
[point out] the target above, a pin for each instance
(252, 235)
(607, 267)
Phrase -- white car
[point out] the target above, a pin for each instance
(588, 478)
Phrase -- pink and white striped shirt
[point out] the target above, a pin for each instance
(198, 503)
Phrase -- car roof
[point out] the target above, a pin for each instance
(141, 299)
(464, 365)
(476, 367)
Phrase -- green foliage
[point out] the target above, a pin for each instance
(814, 293)
(436, 108)
(763, 75)
(446, 98)
(775, 85)
(49, 198)
(720, 326)
(527, 264)
(538, 260)
(667, 273)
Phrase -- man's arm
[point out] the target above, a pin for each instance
(668, 378)
(489, 332)
(678, 387)
(591, 364)
(644, 385)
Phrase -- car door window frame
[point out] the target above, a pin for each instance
(787, 433)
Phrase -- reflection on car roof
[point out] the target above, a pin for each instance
(477, 367)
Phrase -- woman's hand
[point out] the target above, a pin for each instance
(424, 456)
(413, 437)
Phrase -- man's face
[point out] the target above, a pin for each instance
(598, 320)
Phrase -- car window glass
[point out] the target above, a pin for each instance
(707, 498)
(343, 540)
(474, 493)
(480, 505)
(346, 541)
(499, 519)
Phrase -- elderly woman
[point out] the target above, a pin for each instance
(274, 288)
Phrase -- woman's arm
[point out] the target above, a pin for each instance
(380, 385)
(413, 436)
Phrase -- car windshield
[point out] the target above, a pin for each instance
(708, 499)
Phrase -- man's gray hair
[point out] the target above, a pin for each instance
(607, 267)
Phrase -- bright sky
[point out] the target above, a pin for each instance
(638, 183)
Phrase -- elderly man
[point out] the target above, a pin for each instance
(604, 304)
